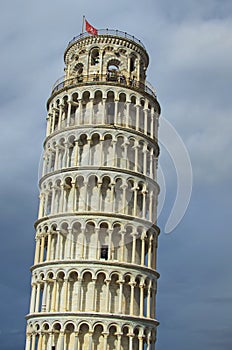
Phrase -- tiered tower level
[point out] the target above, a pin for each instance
(94, 276)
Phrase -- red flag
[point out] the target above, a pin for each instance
(90, 29)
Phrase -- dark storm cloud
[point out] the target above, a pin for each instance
(190, 49)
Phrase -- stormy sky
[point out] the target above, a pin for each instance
(190, 48)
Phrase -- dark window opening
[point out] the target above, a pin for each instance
(132, 64)
(95, 57)
(104, 252)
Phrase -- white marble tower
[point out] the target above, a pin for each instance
(94, 276)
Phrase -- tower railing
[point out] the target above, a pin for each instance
(110, 32)
(108, 78)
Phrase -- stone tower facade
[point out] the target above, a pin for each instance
(94, 276)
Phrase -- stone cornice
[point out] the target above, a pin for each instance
(99, 264)
(93, 315)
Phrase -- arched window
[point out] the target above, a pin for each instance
(113, 70)
(85, 108)
(74, 107)
(98, 109)
(67, 189)
(69, 335)
(95, 149)
(110, 108)
(80, 194)
(122, 109)
(78, 70)
(86, 292)
(103, 241)
(83, 337)
(106, 203)
(70, 155)
(94, 57)
(132, 63)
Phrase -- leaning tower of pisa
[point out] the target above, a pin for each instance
(94, 275)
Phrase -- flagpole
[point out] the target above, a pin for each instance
(83, 24)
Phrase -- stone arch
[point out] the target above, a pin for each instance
(141, 115)
(131, 153)
(90, 240)
(45, 326)
(105, 192)
(135, 341)
(94, 54)
(100, 292)
(83, 336)
(72, 297)
(54, 241)
(146, 337)
(103, 241)
(78, 69)
(78, 241)
(51, 157)
(60, 289)
(97, 96)
(108, 154)
(116, 241)
(141, 157)
(98, 337)
(57, 198)
(125, 337)
(98, 109)
(128, 243)
(74, 96)
(87, 291)
(68, 205)
(126, 293)
(132, 113)
(149, 119)
(130, 196)
(118, 195)
(80, 194)
(148, 165)
(56, 114)
(64, 111)
(83, 150)
(95, 149)
(70, 151)
(122, 109)
(140, 199)
(108, 48)
(110, 107)
(137, 295)
(148, 204)
(41, 276)
(147, 302)
(50, 277)
(63, 240)
(113, 69)
(74, 101)
(112, 337)
(61, 153)
(86, 109)
(119, 150)
(69, 335)
(133, 58)
(49, 198)
(56, 328)
(36, 327)
(92, 193)
(133, 98)
(114, 292)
